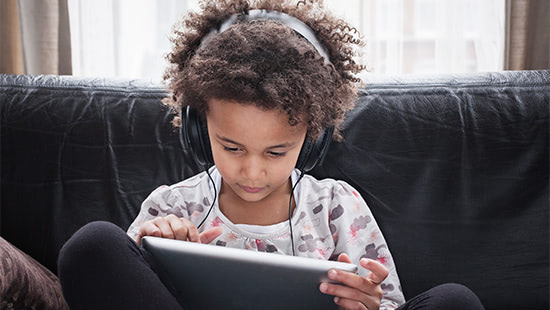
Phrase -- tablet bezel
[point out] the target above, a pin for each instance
(233, 278)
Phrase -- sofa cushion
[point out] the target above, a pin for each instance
(77, 150)
(25, 283)
(455, 170)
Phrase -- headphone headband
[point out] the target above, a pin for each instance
(292, 22)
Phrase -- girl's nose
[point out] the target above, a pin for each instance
(253, 168)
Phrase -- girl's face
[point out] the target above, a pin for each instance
(254, 150)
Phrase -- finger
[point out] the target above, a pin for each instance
(189, 231)
(348, 297)
(344, 258)
(378, 271)
(353, 298)
(148, 229)
(350, 279)
(209, 235)
(345, 303)
(192, 231)
(354, 287)
(178, 227)
(164, 226)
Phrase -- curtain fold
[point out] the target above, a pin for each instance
(11, 58)
(527, 35)
(36, 37)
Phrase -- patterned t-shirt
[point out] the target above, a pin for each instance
(330, 218)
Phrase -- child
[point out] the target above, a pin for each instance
(260, 89)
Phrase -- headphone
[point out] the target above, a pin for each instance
(195, 133)
(194, 138)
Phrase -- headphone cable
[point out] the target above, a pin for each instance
(290, 212)
(213, 201)
(289, 206)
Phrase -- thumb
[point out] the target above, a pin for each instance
(210, 234)
(344, 258)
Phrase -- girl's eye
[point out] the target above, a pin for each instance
(230, 149)
(277, 154)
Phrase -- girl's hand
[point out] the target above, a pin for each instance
(173, 227)
(356, 292)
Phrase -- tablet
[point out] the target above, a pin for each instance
(215, 277)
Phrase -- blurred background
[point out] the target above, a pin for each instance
(130, 38)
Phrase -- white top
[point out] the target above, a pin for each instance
(330, 218)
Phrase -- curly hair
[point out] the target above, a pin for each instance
(265, 63)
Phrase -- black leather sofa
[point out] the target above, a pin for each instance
(455, 169)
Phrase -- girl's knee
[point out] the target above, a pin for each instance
(454, 295)
(93, 241)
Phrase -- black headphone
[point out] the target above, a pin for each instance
(194, 139)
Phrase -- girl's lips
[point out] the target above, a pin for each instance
(251, 190)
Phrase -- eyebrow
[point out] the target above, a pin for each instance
(283, 145)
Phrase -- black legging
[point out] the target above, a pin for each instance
(100, 267)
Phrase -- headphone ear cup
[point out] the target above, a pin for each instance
(195, 138)
(305, 153)
(313, 152)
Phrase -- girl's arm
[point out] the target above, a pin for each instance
(162, 215)
(359, 240)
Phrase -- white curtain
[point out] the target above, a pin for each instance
(123, 38)
(129, 38)
(428, 36)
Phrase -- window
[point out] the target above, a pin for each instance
(129, 38)
(428, 36)
(123, 38)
